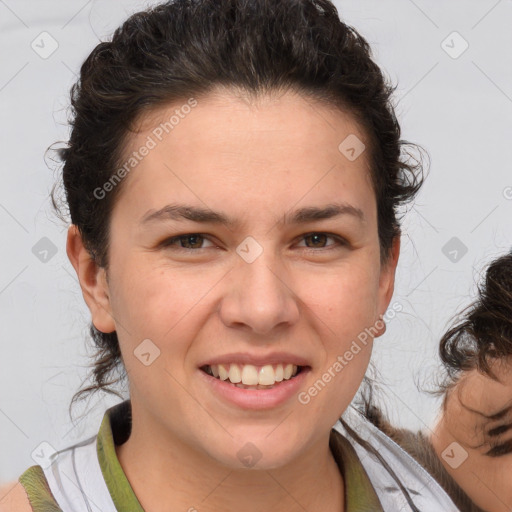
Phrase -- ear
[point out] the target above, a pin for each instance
(93, 281)
(387, 277)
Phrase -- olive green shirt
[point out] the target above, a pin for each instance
(115, 428)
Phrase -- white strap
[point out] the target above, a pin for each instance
(426, 494)
(76, 480)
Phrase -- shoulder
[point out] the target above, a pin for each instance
(401, 479)
(13, 498)
(419, 446)
(31, 493)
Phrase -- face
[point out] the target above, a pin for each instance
(277, 284)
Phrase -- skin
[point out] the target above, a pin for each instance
(474, 408)
(256, 162)
(13, 498)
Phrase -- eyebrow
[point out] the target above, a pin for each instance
(181, 212)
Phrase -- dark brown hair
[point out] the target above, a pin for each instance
(484, 332)
(186, 48)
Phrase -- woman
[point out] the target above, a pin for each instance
(233, 176)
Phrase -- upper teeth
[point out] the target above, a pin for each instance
(249, 374)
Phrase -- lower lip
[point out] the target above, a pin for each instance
(257, 398)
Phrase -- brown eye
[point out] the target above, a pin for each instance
(194, 242)
(319, 240)
(188, 242)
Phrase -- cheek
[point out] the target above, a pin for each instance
(345, 299)
(343, 307)
(153, 308)
(342, 310)
(152, 299)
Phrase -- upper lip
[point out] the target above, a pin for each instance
(256, 359)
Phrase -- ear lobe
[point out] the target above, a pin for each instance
(387, 277)
(93, 281)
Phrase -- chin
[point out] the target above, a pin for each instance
(258, 452)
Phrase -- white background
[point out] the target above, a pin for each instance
(458, 109)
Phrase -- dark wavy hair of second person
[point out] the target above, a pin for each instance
(485, 330)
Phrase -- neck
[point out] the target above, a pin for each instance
(167, 474)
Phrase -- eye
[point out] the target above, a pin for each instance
(318, 238)
(193, 239)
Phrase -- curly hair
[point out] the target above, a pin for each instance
(485, 331)
(185, 48)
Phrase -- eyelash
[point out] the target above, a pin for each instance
(340, 242)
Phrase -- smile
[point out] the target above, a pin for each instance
(254, 396)
(248, 376)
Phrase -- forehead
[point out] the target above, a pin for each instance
(271, 151)
(230, 117)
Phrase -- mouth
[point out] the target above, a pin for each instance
(254, 377)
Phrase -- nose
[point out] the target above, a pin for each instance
(259, 296)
